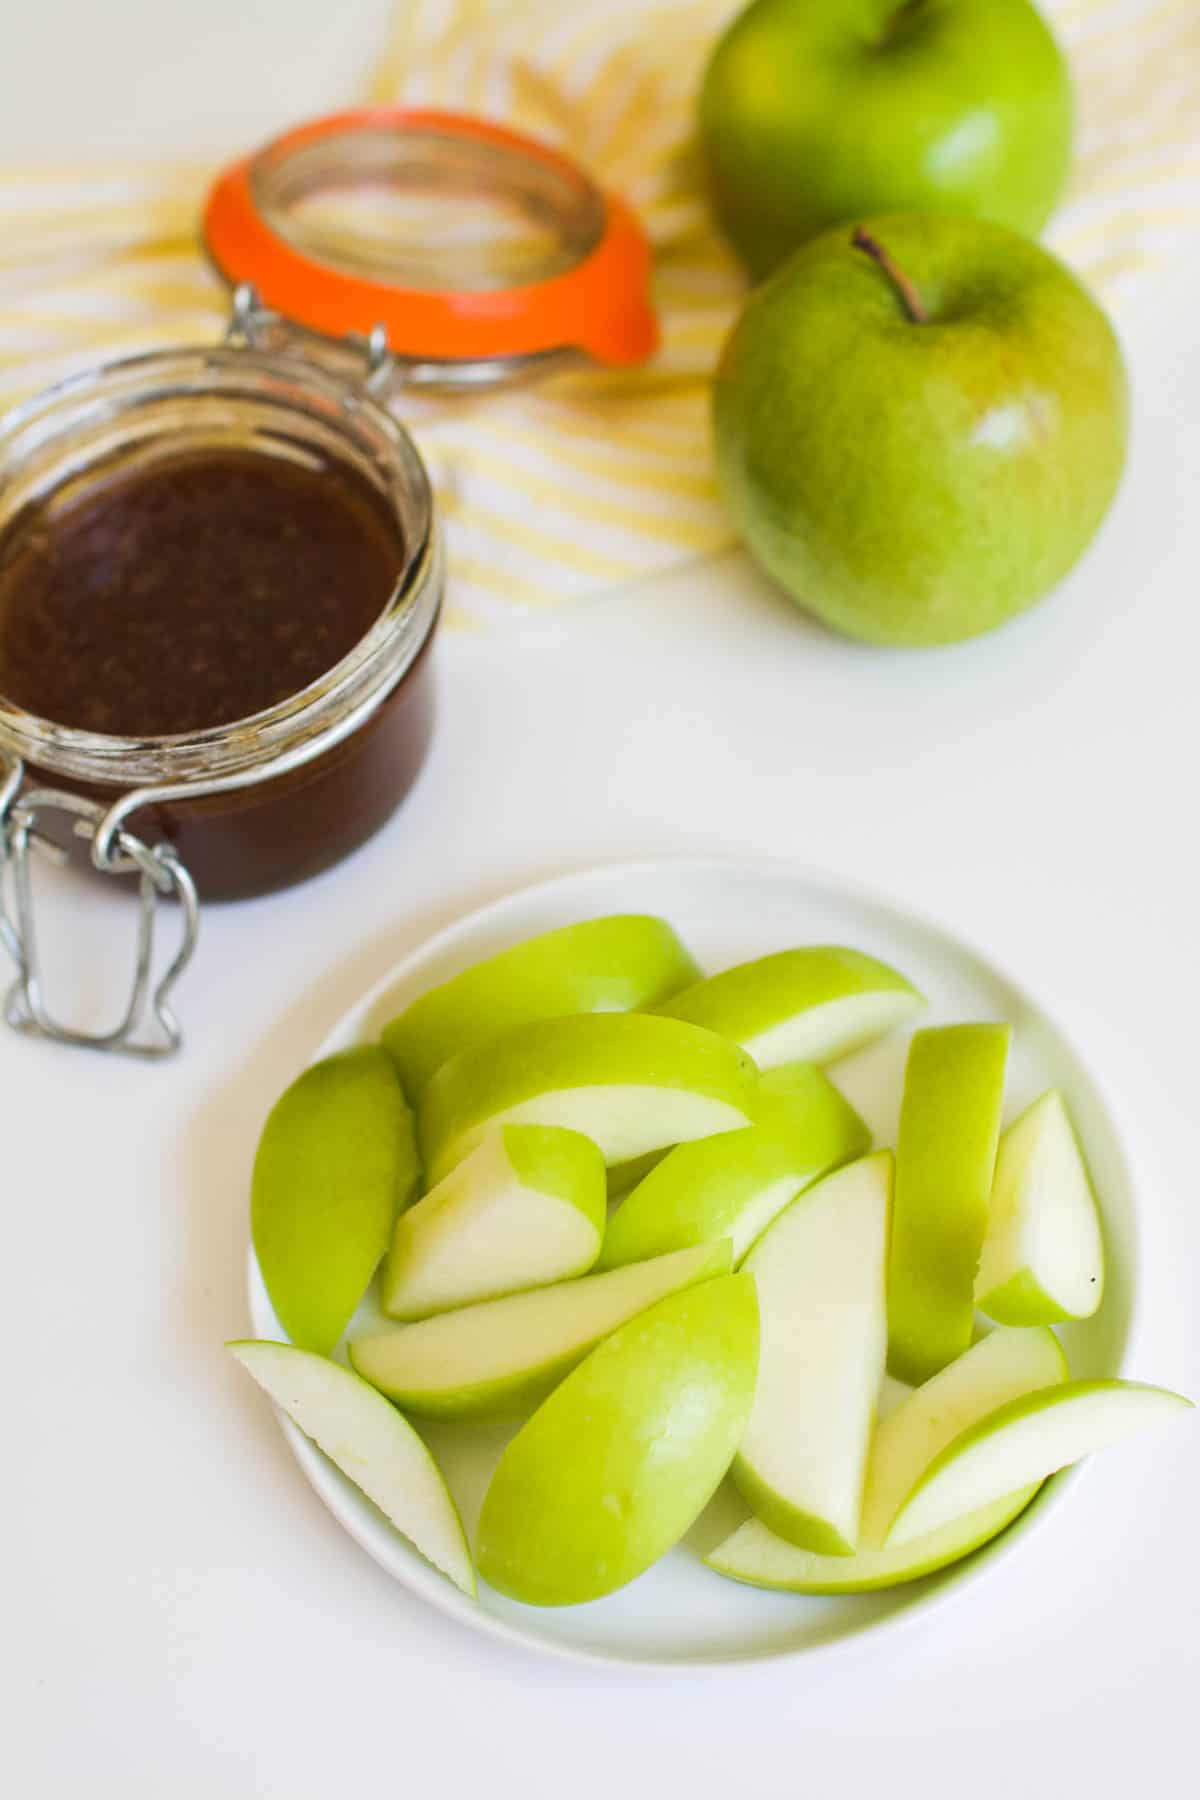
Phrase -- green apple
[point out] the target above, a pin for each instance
(811, 1005)
(622, 1458)
(733, 1185)
(799, 1100)
(621, 963)
(527, 1207)
(1025, 1441)
(373, 1445)
(813, 111)
(500, 1355)
(999, 1368)
(336, 1161)
(1043, 1256)
(629, 1081)
(945, 1156)
(820, 1270)
(753, 1554)
(920, 424)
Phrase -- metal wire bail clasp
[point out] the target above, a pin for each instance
(148, 1027)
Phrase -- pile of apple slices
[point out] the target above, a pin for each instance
(769, 1301)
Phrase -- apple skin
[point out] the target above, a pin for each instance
(945, 1156)
(810, 1005)
(498, 1357)
(813, 111)
(632, 1082)
(918, 484)
(336, 1161)
(373, 1445)
(735, 1183)
(622, 1458)
(526, 1208)
(623, 962)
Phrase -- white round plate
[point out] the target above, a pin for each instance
(681, 1612)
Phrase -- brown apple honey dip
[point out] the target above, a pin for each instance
(191, 591)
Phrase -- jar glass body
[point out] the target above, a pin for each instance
(264, 801)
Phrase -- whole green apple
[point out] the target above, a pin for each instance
(920, 424)
(815, 111)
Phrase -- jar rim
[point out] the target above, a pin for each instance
(316, 716)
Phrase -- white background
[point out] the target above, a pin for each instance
(180, 1616)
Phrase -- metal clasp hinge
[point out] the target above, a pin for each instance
(148, 1026)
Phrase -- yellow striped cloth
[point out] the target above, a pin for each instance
(557, 491)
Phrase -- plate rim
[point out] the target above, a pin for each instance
(423, 1580)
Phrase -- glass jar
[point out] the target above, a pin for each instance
(263, 801)
(339, 305)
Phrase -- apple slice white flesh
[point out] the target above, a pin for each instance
(527, 1207)
(619, 963)
(945, 1157)
(1001, 1367)
(503, 1354)
(820, 1271)
(1043, 1256)
(734, 1184)
(631, 1082)
(809, 1005)
(373, 1445)
(1025, 1441)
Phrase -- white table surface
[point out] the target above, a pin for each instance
(181, 1616)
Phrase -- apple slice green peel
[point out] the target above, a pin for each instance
(371, 1443)
(945, 1157)
(1001, 1367)
(631, 1082)
(336, 1161)
(526, 1208)
(820, 1270)
(622, 1458)
(809, 1005)
(734, 1184)
(1043, 1256)
(1026, 1441)
(500, 1355)
(620, 963)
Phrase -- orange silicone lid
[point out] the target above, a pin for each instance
(599, 305)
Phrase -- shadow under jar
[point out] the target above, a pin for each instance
(220, 577)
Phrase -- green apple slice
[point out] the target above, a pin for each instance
(631, 1082)
(810, 1005)
(755, 1555)
(622, 1458)
(337, 1159)
(526, 1208)
(1001, 1367)
(734, 1184)
(945, 1156)
(821, 1272)
(621, 963)
(1025, 1441)
(1043, 1256)
(503, 1354)
(373, 1445)
(801, 1099)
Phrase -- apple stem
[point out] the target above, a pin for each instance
(909, 297)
